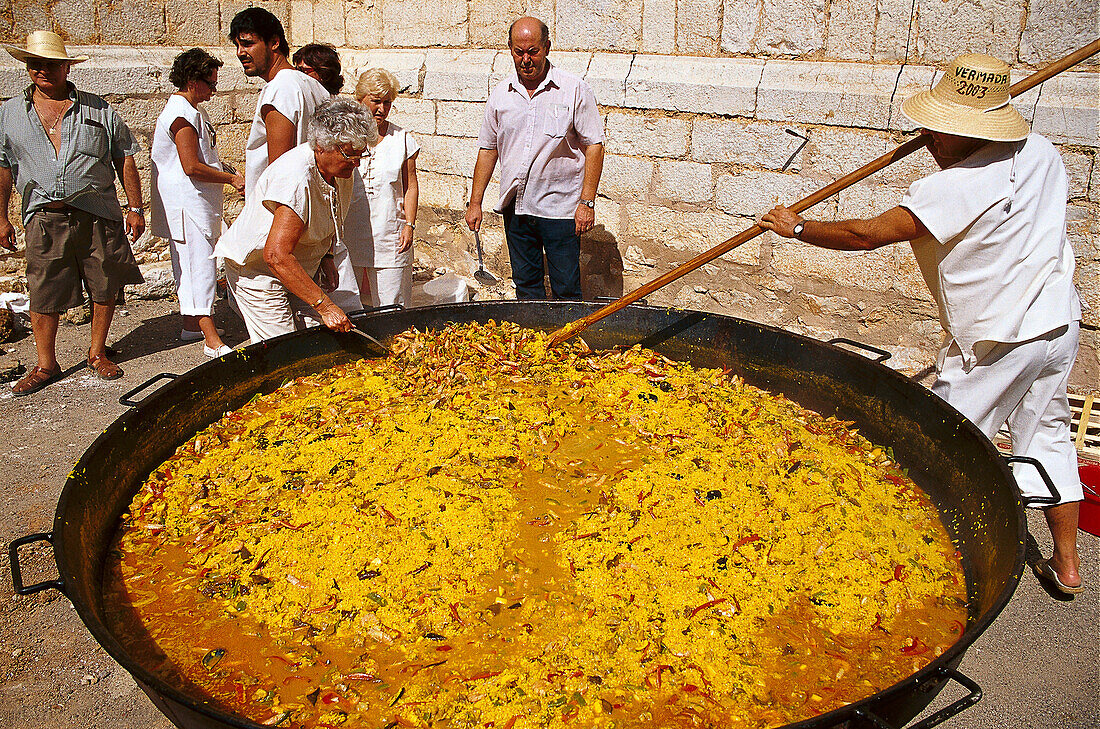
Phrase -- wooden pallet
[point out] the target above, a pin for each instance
(1085, 427)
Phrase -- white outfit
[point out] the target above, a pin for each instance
(374, 227)
(294, 95)
(1000, 267)
(292, 180)
(185, 211)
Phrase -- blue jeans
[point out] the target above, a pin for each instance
(528, 236)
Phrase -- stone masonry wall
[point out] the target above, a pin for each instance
(706, 104)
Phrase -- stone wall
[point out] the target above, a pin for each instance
(706, 104)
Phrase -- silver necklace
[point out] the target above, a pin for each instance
(53, 125)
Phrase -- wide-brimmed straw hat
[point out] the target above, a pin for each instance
(43, 45)
(971, 100)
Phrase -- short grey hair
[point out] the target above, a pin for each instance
(337, 122)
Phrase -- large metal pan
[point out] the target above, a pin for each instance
(970, 484)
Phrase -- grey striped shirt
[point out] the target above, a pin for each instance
(82, 175)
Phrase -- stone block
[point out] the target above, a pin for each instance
(140, 114)
(328, 23)
(448, 192)
(300, 31)
(851, 35)
(949, 28)
(699, 85)
(751, 193)
(679, 181)
(614, 25)
(447, 155)
(1078, 169)
(133, 23)
(658, 26)
(418, 24)
(363, 23)
(836, 151)
(644, 136)
(626, 178)
(489, 22)
(194, 23)
(28, 16)
(773, 27)
(607, 76)
(125, 73)
(220, 109)
(405, 65)
(458, 75)
(745, 143)
(689, 233)
(1094, 182)
(575, 62)
(838, 94)
(243, 106)
(864, 201)
(416, 115)
(1068, 110)
(1056, 28)
(698, 27)
(867, 270)
(459, 118)
(76, 20)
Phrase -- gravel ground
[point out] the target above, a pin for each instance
(1037, 664)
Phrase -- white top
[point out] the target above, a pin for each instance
(538, 140)
(998, 261)
(382, 216)
(292, 180)
(295, 96)
(174, 193)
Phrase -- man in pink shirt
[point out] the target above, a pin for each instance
(543, 126)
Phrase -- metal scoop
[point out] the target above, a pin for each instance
(482, 276)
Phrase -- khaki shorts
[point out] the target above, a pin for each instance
(70, 251)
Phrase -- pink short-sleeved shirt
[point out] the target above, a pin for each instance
(540, 140)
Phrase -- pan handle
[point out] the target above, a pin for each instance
(17, 573)
(1037, 500)
(643, 302)
(973, 696)
(883, 355)
(125, 399)
(375, 310)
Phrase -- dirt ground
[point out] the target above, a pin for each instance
(1037, 664)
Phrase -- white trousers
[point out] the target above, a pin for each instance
(345, 295)
(194, 270)
(385, 286)
(1023, 384)
(262, 301)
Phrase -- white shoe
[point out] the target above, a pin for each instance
(215, 353)
(186, 335)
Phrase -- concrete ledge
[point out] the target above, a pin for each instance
(724, 86)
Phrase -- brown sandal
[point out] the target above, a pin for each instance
(35, 380)
(104, 368)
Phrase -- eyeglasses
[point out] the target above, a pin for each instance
(212, 84)
(355, 157)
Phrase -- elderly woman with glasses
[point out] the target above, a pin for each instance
(277, 244)
(188, 178)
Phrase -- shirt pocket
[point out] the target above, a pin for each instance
(555, 122)
(91, 139)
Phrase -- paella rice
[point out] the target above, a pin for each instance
(479, 531)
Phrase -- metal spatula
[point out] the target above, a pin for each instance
(482, 276)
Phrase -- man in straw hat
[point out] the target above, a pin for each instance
(989, 234)
(63, 148)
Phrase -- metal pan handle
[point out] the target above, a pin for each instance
(125, 399)
(643, 302)
(1037, 500)
(17, 573)
(375, 310)
(883, 355)
(973, 696)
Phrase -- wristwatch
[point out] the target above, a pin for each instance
(798, 228)
(139, 211)
(588, 203)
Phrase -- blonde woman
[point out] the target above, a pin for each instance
(382, 249)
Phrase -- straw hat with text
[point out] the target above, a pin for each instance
(43, 45)
(971, 100)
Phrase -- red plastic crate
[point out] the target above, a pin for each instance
(1090, 507)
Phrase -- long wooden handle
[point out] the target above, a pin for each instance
(571, 329)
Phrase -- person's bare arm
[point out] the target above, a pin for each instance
(593, 167)
(7, 231)
(893, 226)
(131, 184)
(282, 135)
(286, 232)
(483, 171)
(187, 146)
(412, 199)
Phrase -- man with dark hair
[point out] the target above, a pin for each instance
(287, 100)
(543, 125)
(63, 147)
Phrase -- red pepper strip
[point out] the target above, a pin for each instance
(707, 605)
(540, 521)
(387, 514)
(585, 536)
(745, 540)
(878, 621)
(444, 648)
(288, 679)
(512, 722)
(363, 677)
(484, 675)
(689, 688)
(819, 508)
(286, 660)
(454, 614)
(330, 698)
(557, 444)
(915, 648)
(700, 501)
(286, 525)
(326, 607)
(240, 691)
(428, 665)
(898, 574)
(957, 626)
